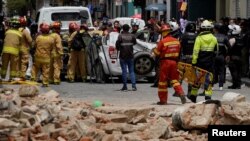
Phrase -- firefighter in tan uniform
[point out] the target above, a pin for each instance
(11, 48)
(57, 52)
(25, 48)
(72, 28)
(44, 45)
(77, 58)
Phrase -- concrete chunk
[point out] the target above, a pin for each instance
(28, 91)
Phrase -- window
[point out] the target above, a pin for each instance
(237, 8)
(37, 17)
(70, 16)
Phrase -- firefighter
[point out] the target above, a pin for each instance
(168, 49)
(11, 49)
(57, 52)
(43, 47)
(77, 57)
(25, 48)
(205, 48)
(234, 55)
(72, 28)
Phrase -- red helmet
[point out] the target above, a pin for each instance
(84, 26)
(23, 21)
(56, 25)
(73, 26)
(165, 27)
(44, 28)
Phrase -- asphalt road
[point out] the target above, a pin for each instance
(145, 95)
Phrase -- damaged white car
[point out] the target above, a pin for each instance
(107, 65)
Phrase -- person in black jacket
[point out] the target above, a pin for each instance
(124, 45)
(234, 55)
(219, 65)
(187, 46)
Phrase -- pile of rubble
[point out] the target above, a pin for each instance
(26, 115)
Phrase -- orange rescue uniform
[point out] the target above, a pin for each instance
(168, 50)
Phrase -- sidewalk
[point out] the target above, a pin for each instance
(245, 81)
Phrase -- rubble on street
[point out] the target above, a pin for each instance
(27, 115)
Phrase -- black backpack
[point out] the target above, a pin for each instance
(77, 42)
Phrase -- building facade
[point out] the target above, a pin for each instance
(210, 9)
(232, 8)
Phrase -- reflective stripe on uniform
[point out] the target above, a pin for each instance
(24, 49)
(127, 44)
(18, 33)
(13, 73)
(194, 91)
(11, 50)
(208, 92)
(42, 59)
(55, 55)
(162, 83)
(162, 90)
(176, 84)
(207, 49)
(3, 72)
(171, 55)
(174, 81)
(156, 51)
(172, 43)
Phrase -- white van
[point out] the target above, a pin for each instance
(64, 14)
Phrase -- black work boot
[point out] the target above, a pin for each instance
(183, 99)
(124, 89)
(175, 95)
(192, 98)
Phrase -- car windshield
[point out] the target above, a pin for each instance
(69, 16)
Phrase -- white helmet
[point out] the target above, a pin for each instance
(173, 25)
(135, 22)
(234, 29)
(206, 25)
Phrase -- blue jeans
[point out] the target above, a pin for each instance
(130, 63)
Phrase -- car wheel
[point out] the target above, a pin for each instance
(143, 63)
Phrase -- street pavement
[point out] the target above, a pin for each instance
(145, 95)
